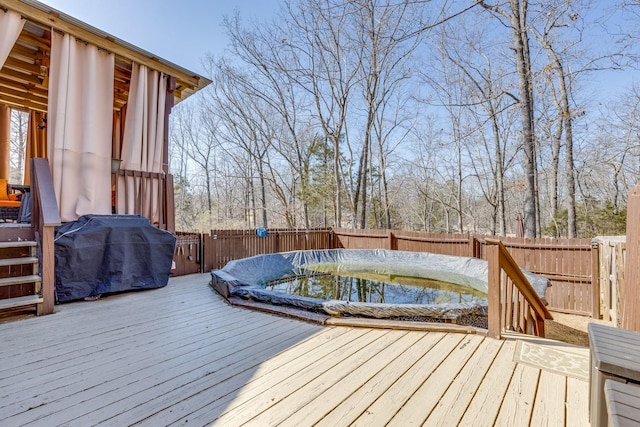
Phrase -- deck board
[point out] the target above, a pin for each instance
(518, 402)
(549, 409)
(418, 407)
(484, 407)
(351, 407)
(180, 355)
(451, 407)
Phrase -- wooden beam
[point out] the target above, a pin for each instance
(22, 65)
(20, 77)
(21, 104)
(25, 51)
(27, 96)
(494, 327)
(121, 85)
(34, 40)
(24, 87)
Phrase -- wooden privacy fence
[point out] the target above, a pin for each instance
(188, 253)
(571, 264)
(613, 251)
(199, 253)
(222, 246)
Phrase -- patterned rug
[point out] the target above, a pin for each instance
(573, 363)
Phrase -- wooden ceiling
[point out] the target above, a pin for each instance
(24, 76)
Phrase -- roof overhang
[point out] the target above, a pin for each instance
(21, 79)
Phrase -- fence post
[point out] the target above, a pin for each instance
(595, 280)
(493, 296)
(473, 246)
(391, 238)
(630, 293)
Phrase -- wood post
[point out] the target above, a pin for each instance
(44, 218)
(595, 280)
(472, 246)
(493, 297)
(630, 297)
(48, 271)
(169, 205)
(391, 240)
(5, 142)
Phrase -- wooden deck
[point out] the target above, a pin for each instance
(180, 355)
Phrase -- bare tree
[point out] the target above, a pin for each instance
(514, 13)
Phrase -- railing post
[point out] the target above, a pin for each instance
(169, 204)
(44, 218)
(48, 271)
(494, 328)
(471, 245)
(595, 280)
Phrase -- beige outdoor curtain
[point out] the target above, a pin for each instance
(5, 142)
(80, 126)
(11, 24)
(142, 142)
(36, 141)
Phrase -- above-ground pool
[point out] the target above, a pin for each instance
(373, 283)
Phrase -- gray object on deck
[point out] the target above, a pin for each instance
(98, 254)
(623, 403)
(614, 355)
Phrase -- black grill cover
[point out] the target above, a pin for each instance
(99, 254)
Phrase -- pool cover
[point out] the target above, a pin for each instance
(246, 278)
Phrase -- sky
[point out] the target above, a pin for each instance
(182, 32)
(185, 31)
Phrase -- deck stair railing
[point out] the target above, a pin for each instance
(45, 216)
(513, 303)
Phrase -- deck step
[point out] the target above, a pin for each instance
(18, 261)
(34, 278)
(20, 301)
(18, 244)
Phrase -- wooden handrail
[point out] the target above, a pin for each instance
(513, 303)
(149, 194)
(44, 218)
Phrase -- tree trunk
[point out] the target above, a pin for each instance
(569, 167)
(525, 88)
(338, 183)
(263, 196)
(555, 165)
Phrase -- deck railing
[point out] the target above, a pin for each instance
(149, 194)
(44, 218)
(513, 303)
